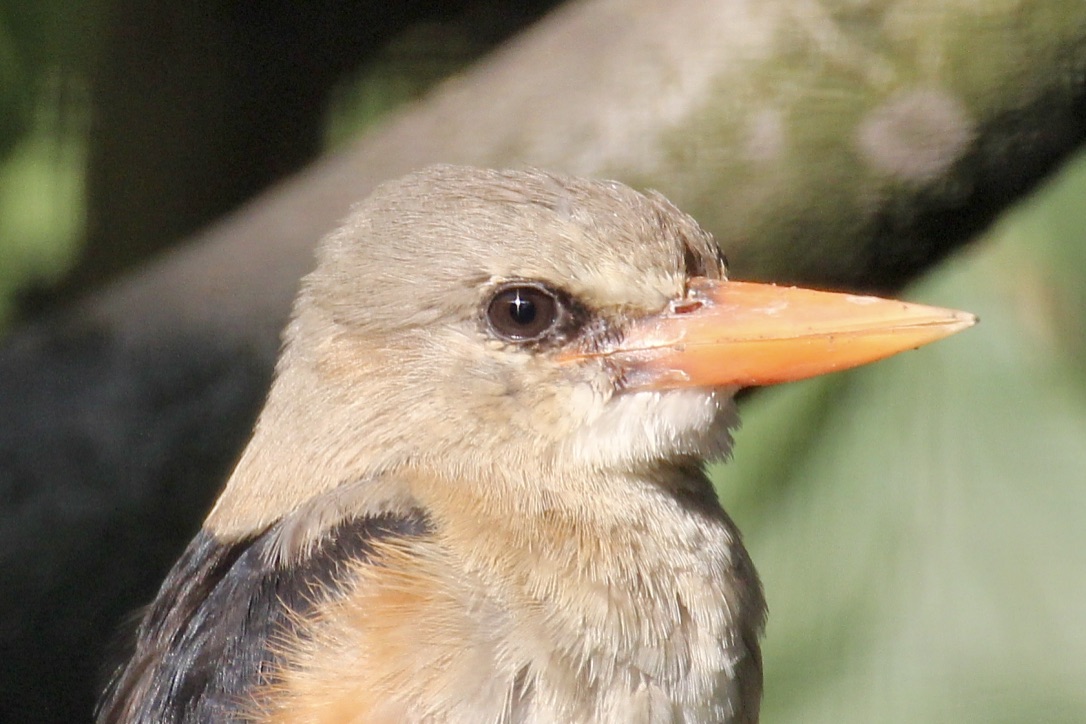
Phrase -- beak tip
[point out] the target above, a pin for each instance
(963, 320)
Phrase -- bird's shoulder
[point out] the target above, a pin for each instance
(218, 627)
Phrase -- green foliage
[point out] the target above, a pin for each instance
(46, 47)
(41, 203)
(919, 523)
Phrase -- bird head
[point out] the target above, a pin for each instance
(518, 326)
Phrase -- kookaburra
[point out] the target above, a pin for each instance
(476, 492)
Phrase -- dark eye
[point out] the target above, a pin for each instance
(522, 312)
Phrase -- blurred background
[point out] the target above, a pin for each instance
(920, 525)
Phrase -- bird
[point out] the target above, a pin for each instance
(477, 490)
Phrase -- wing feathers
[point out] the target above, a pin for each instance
(210, 635)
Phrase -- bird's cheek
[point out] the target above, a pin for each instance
(587, 400)
(649, 425)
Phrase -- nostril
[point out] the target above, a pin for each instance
(685, 306)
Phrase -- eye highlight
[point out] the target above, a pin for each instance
(523, 312)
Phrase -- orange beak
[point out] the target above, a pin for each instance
(727, 333)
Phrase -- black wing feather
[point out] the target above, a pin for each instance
(208, 637)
